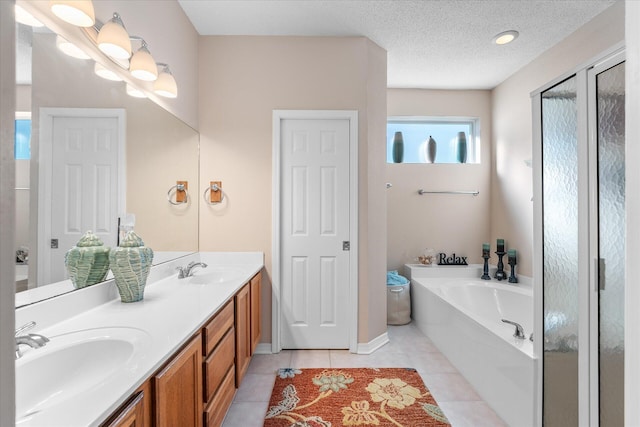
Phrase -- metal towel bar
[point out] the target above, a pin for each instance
(474, 193)
(178, 187)
(214, 188)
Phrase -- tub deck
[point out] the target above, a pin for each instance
(468, 331)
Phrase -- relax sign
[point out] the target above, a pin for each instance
(452, 260)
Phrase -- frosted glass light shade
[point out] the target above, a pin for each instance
(24, 17)
(143, 66)
(113, 39)
(166, 85)
(136, 93)
(106, 73)
(77, 12)
(70, 49)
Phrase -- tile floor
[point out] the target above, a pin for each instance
(408, 347)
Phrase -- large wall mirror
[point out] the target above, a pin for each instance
(156, 151)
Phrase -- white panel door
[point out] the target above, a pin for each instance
(84, 187)
(314, 228)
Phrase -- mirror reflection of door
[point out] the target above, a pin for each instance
(81, 157)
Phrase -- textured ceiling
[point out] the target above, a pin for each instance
(439, 44)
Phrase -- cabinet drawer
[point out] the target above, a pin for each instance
(217, 409)
(218, 363)
(217, 327)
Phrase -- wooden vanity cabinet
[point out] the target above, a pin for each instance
(178, 388)
(196, 387)
(219, 350)
(243, 332)
(256, 329)
(247, 324)
(136, 412)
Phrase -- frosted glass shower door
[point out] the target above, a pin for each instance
(582, 250)
(607, 121)
(560, 245)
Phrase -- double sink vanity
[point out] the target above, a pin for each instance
(174, 358)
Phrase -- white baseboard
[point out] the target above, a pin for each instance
(263, 348)
(363, 348)
(373, 345)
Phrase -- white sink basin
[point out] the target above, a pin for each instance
(213, 275)
(71, 364)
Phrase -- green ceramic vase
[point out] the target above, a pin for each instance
(398, 148)
(430, 152)
(462, 147)
(87, 262)
(130, 264)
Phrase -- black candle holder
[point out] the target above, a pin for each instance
(512, 277)
(500, 274)
(485, 273)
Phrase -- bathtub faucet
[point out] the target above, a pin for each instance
(519, 333)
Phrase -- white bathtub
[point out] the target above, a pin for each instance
(462, 316)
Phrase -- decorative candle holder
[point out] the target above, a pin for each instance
(512, 263)
(485, 272)
(500, 274)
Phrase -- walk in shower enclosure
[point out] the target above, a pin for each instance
(580, 244)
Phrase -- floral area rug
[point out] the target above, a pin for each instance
(352, 397)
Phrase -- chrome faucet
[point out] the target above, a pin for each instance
(32, 340)
(188, 270)
(519, 333)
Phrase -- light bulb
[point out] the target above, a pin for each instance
(106, 73)
(113, 39)
(77, 12)
(136, 93)
(24, 17)
(166, 84)
(142, 65)
(70, 49)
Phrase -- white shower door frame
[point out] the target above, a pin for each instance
(588, 390)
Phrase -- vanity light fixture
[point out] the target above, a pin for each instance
(505, 37)
(136, 93)
(70, 49)
(77, 12)
(113, 39)
(24, 17)
(106, 73)
(166, 84)
(142, 65)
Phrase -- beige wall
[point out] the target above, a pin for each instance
(511, 180)
(242, 80)
(446, 223)
(23, 98)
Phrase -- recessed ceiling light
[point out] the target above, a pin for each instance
(506, 37)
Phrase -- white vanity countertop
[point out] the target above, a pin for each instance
(172, 311)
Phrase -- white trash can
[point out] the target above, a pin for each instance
(398, 304)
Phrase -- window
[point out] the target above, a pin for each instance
(417, 130)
